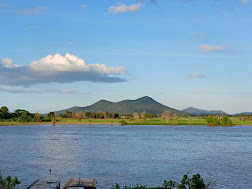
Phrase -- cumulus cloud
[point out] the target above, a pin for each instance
(11, 89)
(122, 8)
(7, 62)
(213, 48)
(57, 68)
(197, 76)
(83, 5)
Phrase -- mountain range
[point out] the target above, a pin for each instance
(195, 111)
(147, 104)
(124, 107)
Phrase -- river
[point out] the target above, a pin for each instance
(128, 155)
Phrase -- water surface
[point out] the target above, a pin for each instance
(128, 155)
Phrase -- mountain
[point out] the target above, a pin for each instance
(196, 111)
(124, 107)
(243, 113)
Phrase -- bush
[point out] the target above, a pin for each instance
(122, 122)
(8, 182)
(187, 182)
(226, 121)
(215, 121)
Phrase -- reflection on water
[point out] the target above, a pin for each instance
(128, 155)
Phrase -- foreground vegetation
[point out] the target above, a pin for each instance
(8, 182)
(187, 182)
(154, 121)
(23, 117)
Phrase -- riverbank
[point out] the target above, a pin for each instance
(154, 121)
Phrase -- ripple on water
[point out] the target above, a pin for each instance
(128, 155)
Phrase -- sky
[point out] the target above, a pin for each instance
(55, 54)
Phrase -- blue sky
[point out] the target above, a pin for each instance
(56, 54)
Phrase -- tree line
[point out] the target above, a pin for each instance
(88, 115)
(23, 116)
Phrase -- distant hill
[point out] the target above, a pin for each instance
(124, 107)
(196, 111)
(243, 113)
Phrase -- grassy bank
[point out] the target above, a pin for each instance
(154, 121)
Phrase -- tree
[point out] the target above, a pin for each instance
(53, 117)
(36, 117)
(106, 115)
(8, 182)
(143, 115)
(79, 116)
(166, 115)
(150, 115)
(194, 182)
(136, 115)
(226, 121)
(25, 116)
(213, 121)
(175, 119)
(216, 121)
(4, 113)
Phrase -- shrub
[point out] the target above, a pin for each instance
(213, 121)
(8, 182)
(217, 121)
(187, 182)
(226, 121)
(122, 122)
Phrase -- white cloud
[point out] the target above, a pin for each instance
(244, 1)
(8, 63)
(213, 48)
(57, 68)
(197, 76)
(122, 8)
(83, 5)
(69, 62)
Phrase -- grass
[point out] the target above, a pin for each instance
(154, 121)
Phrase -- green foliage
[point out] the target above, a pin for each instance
(88, 115)
(213, 121)
(8, 182)
(187, 182)
(51, 115)
(219, 120)
(67, 114)
(122, 122)
(25, 116)
(226, 121)
(4, 113)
